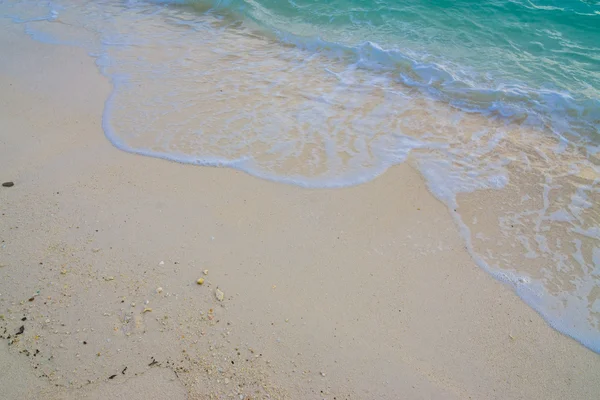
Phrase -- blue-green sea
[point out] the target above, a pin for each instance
(520, 58)
(495, 102)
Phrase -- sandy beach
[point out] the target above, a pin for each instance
(364, 292)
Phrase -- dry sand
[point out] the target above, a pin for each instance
(358, 293)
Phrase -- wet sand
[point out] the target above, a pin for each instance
(358, 293)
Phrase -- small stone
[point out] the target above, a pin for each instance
(147, 309)
(159, 290)
(219, 294)
(322, 373)
(205, 272)
(109, 278)
(161, 263)
(200, 281)
(8, 184)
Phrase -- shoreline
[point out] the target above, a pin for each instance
(360, 292)
(194, 110)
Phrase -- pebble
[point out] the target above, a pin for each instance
(159, 290)
(205, 272)
(161, 263)
(220, 295)
(200, 281)
(8, 184)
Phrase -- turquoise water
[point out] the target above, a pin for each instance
(496, 103)
(524, 59)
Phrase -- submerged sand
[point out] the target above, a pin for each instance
(358, 293)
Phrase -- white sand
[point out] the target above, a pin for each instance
(358, 293)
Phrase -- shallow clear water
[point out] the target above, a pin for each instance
(495, 102)
(526, 59)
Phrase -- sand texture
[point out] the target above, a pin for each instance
(358, 293)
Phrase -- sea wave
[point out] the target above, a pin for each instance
(571, 112)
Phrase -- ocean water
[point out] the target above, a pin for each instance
(496, 103)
